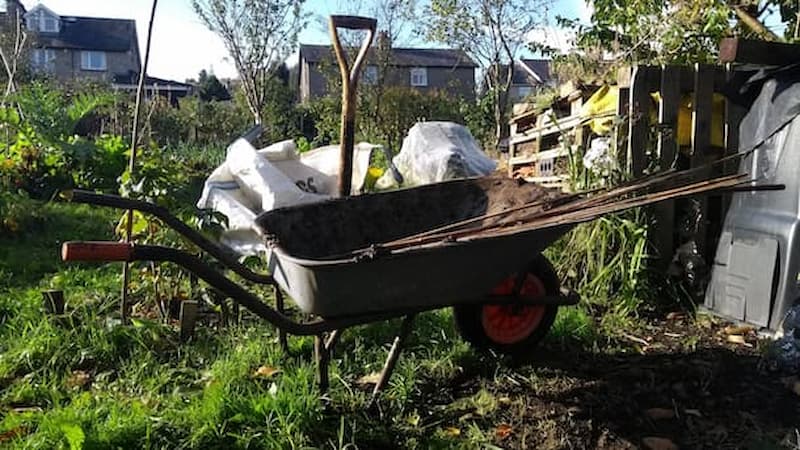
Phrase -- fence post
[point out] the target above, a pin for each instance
(664, 234)
(702, 109)
(642, 83)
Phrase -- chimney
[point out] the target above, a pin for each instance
(384, 41)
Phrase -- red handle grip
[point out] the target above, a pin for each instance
(97, 251)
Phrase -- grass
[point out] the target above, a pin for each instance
(84, 381)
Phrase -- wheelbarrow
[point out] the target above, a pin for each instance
(504, 293)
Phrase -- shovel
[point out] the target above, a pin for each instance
(349, 89)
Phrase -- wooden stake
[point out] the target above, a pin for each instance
(124, 308)
(188, 319)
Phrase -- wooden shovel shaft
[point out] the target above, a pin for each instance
(349, 89)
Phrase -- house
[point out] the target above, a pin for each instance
(426, 69)
(90, 48)
(530, 76)
(68, 47)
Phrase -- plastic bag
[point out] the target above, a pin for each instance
(439, 151)
(787, 349)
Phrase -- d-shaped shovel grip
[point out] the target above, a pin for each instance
(370, 25)
(349, 87)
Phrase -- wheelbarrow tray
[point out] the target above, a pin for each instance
(313, 248)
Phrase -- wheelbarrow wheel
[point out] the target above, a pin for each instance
(510, 329)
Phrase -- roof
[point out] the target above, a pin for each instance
(93, 33)
(401, 57)
(132, 79)
(531, 71)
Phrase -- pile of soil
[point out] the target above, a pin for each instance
(504, 193)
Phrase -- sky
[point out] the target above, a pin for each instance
(182, 46)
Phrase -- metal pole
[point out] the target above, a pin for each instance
(132, 161)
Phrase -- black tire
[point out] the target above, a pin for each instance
(469, 318)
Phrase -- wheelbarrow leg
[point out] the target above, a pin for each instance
(391, 359)
(323, 360)
(280, 305)
(323, 348)
(332, 340)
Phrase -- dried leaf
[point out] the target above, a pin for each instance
(693, 412)
(266, 372)
(78, 379)
(676, 315)
(27, 409)
(368, 379)
(503, 431)
(452, 431)
(658, 443)
(736, 339)
(12, 434)
(796, 387)
(739, 329)
(660, 413)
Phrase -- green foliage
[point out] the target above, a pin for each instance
(385, 118)
(43, 150)
(31, 230)
(210, 89)
(655, 31)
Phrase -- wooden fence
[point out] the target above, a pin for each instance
(677, 118)
(713, 135)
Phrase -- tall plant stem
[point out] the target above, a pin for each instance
(124, 309)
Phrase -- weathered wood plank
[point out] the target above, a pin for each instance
(702, 103)
(188, 319)
(746, 51)
(664, 212)
(645, 80)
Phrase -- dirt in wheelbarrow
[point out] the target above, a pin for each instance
(330, 229)
(677, 383)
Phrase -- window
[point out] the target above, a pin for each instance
(43, 22)
(419, 76)
(524, 91)
(43, 59)
(48, 24)
(370, 75)
(93, 61)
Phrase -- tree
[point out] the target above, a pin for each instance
(656, 31)
(13, 44)
(259, 35)
(492, 32)
(210, 89)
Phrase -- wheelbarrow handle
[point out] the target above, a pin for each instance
(349, 89)
(219, 253)
(97, 251)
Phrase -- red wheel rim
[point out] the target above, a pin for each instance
(510, 324)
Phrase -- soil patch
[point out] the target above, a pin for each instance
(682, 383)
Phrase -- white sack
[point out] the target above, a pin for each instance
(262, 182)
(252, 181)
